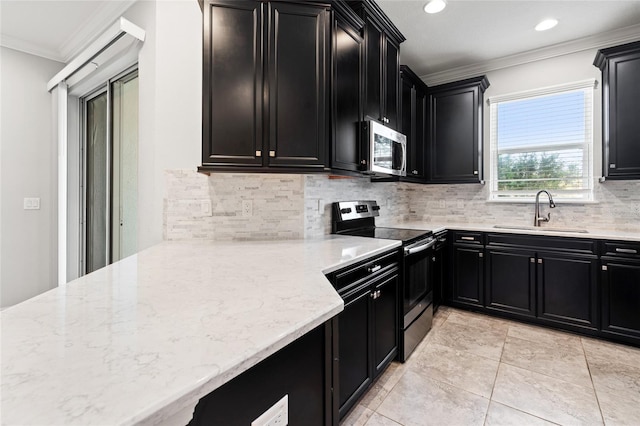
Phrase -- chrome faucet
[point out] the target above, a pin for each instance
(537, 218)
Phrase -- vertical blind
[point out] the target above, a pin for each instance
(543, 140)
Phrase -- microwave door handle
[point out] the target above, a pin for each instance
(404, 157)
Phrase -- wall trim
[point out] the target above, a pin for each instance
(597, 41)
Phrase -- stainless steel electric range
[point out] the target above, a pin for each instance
(357, 218)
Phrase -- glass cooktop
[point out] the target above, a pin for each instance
(405, 235)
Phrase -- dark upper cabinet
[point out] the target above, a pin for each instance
(382, 64)
(347, 93)
(455, 131)
(414, 121)
(265, 91)
(620, 68)
(232, 123)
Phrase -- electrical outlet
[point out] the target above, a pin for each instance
(460, 204)
(442, 204)
(247, 208)
(31, 203)
(277, 415)
(205, 207)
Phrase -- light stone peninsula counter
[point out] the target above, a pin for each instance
(142, 340)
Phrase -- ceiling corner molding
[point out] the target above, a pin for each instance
(101, 19)
(597, 41)
(30, 48)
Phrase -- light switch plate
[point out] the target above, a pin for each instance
(277, 415)
(31, 203)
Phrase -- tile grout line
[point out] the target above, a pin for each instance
(595, 393)
(495, 379)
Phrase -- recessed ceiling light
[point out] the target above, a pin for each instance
(435, 6)
(547, 24)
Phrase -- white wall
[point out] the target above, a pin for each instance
(29, 169)
(170, 78)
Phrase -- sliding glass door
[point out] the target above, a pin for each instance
(110, 173)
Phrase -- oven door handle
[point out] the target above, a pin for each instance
(413, 250)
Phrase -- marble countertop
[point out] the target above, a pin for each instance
(549, 230)
(142, 339)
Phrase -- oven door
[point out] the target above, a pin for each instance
(418, 290)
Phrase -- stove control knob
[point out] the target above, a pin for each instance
(375, 208)
(345, 211)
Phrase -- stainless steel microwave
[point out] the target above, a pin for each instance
(387, 149)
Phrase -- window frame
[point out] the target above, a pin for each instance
(527, 196)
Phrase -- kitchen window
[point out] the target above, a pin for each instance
(543, 139)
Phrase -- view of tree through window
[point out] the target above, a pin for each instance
(542, 142)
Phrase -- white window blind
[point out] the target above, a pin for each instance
(543, 140)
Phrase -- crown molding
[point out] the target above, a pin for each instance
(597, 41)
(99, 21)
(30, 48)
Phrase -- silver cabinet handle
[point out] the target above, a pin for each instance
(373, 269)
(468, 238)
(272, 153)
(258, 153)
(532, 260)
(628, 251)
(604, 267)
(540, 261)
(480, 254)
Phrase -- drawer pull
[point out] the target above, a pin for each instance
(540, 261)
(373, 269)
(628, 251)
(604, 267)
(532, 260)
(468, 238)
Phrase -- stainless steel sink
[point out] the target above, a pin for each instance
(547, 229)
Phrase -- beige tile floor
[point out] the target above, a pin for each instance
(473, 369)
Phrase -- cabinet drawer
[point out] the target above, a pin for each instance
(467, 237)
(542, 242)
(345, 279)
(621, 248)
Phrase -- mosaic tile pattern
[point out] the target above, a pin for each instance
(299, 206)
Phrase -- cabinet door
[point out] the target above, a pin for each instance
(348, 50)
(621, 298)
(420, 140)
(437, 268)
(391, 93)
(373, 38)
(567, 289)
(385, 327)
(510, 281)
(468, 268)
(232, 129)
(454, 136)
(354, 348)
(408, 112)
(298, 39)
(624, 126)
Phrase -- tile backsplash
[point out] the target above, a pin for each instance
(283, 206)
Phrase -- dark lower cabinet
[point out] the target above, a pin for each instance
(302, 370)
(547, 280)
(367, 328)
(385, 322)
(510, 281)
(354, 355)
(468, 271)
(621, 298)
(568, 289)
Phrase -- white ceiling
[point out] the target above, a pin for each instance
(469, 34)
(56, 29)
